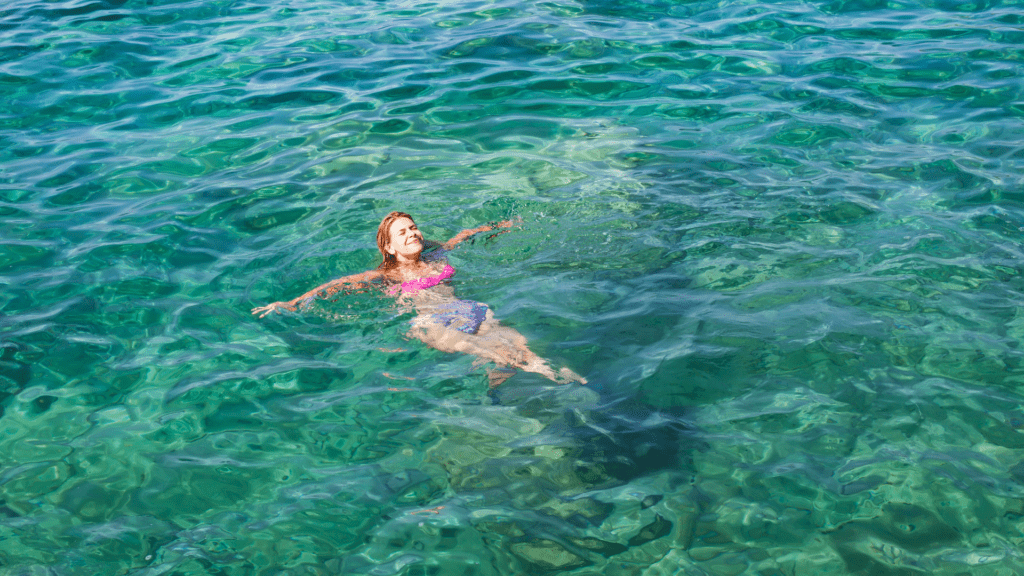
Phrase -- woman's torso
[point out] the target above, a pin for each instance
(426, 289)
(423, 283)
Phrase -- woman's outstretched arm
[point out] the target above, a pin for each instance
(322, 291)
(485, 228)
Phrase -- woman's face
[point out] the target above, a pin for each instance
(404, 239)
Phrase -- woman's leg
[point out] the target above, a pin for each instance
(494, 342)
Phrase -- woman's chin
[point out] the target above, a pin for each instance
(412, 252)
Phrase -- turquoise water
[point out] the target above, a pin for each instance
(782, 240)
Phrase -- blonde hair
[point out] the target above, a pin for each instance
(384, 238)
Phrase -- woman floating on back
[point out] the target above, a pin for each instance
(443, 321)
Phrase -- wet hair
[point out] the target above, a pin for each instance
(384, 236)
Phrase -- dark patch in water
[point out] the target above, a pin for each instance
(906, 526)
(14, 374)
(651, 501)
(657, 529)
(622, 444)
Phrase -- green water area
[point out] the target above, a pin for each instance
(782, 242)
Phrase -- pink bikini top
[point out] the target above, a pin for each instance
(423, 283)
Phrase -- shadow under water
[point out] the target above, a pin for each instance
(586, 487)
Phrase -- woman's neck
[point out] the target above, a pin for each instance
(407, 260)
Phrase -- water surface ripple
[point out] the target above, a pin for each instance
(783, 241)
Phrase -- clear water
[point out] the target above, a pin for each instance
(783, 241)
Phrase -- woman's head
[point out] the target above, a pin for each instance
(393, 236)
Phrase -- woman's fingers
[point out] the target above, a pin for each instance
(517, 221)
(264, 310)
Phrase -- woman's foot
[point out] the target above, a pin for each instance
(566, 376)
(497, 376)
(563, 376)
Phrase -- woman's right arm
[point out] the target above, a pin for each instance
(485, 228)
(323, 291)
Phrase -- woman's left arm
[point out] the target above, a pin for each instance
(485, 228)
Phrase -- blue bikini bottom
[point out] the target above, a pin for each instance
(463, 315)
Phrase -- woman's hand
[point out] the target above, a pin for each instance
(273, 307)
(509, 223)
(485, 228)
(506, 224)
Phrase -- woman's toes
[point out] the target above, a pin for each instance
(567, 376)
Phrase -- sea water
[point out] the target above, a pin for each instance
(781, 240)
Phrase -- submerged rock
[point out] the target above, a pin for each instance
(893, 542)
(546, 556)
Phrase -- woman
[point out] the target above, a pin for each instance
(444, 322)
